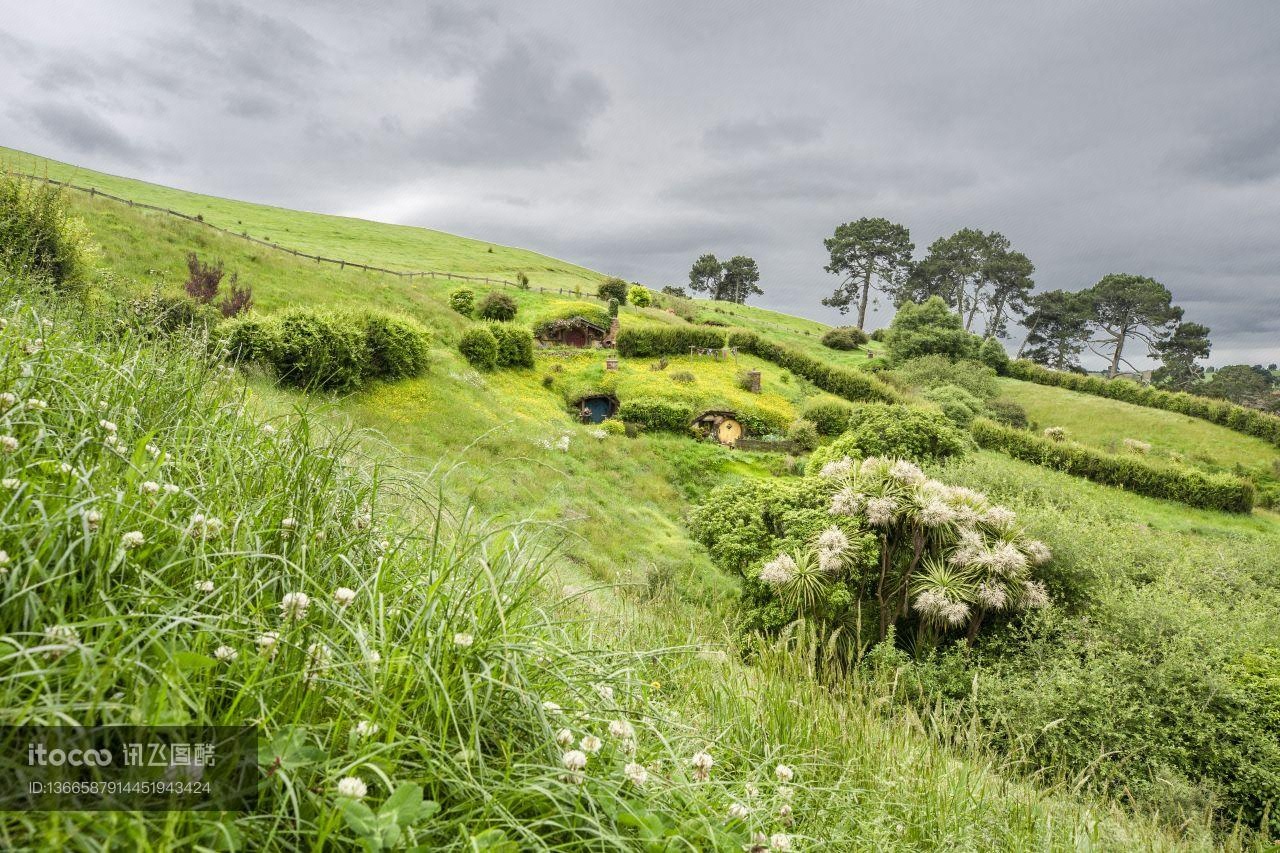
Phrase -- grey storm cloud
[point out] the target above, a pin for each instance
(1100, 137)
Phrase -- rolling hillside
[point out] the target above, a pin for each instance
(1027, 743)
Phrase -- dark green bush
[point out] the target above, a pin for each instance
(612, 288)
(321, 350)
(956, 403)
(830, 417)
(480, 347)
(463, 301)
(1132, 473)
(844, 338)
(1248, 421)
(879, 429)
(878, 335)
(39, 238)
(654, 414)
(1008, 413)
(249, 340)
(515, 345)
(993, 354)
(498, 307)
(398, 347)
(653, 341)
(928, 329)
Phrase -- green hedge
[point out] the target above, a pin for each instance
(1185, 485)
(515, 344)
(653, 341)
(328, 351)
(654, 414)
(1233, 417)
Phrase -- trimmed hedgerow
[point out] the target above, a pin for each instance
(479, 346)
(515, 345)
(903, 432)
(831, 417)
(844, 338)
(653, 341)
(1234, 417)
(1185, 485)
(656, 415)
(397, 347)
(248, 340)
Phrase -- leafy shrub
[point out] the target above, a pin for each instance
(497, 306)
(1185, 485)
(655, 414)
(878, 429)
(398, 347)
(158, 314)
(804, 435)
(321, 350)
(653, 341)
(239, 298)
(829, 417)
(203, 279)
(878, 335)
(993, 354)
(683, 377)
(612, 289)
(249, 340)
(640, 296)
(931, 371)
(844, 338)
(515, 345)
(1243, 420)
(479, 346)
(956, 403)
(522, 280)
(613, 426)
(463, 301)
(40, 239)
(1009, 413)
(928, 329)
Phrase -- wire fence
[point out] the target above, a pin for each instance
(320, 259)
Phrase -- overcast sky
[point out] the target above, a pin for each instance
(632, 136)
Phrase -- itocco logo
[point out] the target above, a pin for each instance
(38, 755)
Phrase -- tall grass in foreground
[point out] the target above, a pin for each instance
(168, 558)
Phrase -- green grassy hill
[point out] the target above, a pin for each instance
(1029, 744)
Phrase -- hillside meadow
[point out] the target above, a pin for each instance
(1137, 711)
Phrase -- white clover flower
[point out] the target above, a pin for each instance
(226, 654)
(40, 405)
(343, 596)
(287, 526)
(4, 558)
(34, 346)
(574, 760)
(204, 527)
(738, 811)
(294, 605)
(590, 744)
(701, 762)
(779, 570)
(636, 774)
(150, 487)
(551, 707)
(171, 488)
(365, 728)
(352, 787)
(374, 656)
(8, 400)
(108, 426)
(752, 790)
(622, 730)
(63, 638)
(318, 657)
(880, 511)
(784, 773)
(205, 586)
(153, 451)
(92, 519)
(463, 640)
(784, 815)
(10, 482)
(564, 737)
(780, 842)
(833, 540)
(268, 429)
(268, 643)
(133, 539)
(65, 468)
(8, 444)
(838, 469)
(605, 692)
(362, 519)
